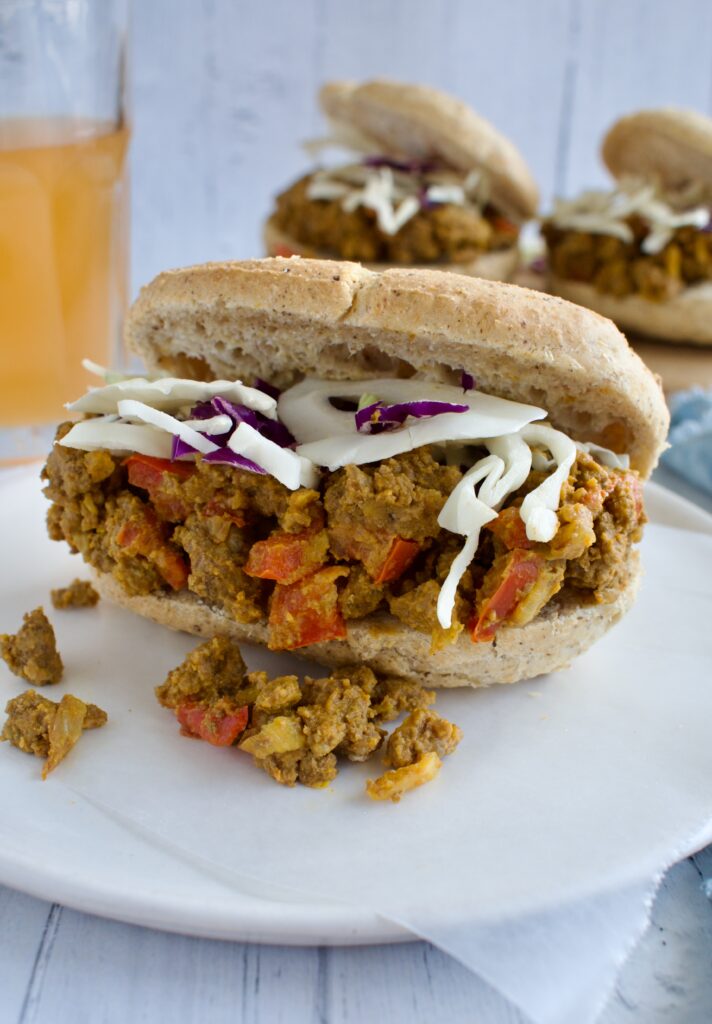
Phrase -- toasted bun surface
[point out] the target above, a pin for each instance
(558, 635)
(670, 144)
(494, 266)
(419, 122)
(282, 319)
(685, 318)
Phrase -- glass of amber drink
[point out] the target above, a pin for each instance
(63, 208)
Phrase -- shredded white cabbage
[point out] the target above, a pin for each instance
(171, 394)
(395, 196)
(606, 213)
(283, 464)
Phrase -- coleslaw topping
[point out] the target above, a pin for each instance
(607, 213)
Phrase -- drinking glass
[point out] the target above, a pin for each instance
(63, 208)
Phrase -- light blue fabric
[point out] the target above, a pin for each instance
(690, 438)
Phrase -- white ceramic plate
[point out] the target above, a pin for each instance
(65, 850)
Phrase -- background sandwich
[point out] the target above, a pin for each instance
(432, 492)
(428, 182)
(641, 254)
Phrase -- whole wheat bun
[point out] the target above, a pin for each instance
(494, 266)
(564, 629)
(418, 122)
(670, 144)
(685, 318)
(283, 318)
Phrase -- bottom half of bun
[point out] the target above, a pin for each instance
(498, 265)
(685, 318)
(565, 629)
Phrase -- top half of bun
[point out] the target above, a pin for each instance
(418, 122)
(282, 319)
(670, 144)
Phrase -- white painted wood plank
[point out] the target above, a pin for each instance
(103, 972)
(629, 56)
(23, 923)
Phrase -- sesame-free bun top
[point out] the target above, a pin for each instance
(670, 144)
(282, 319)
(418, 122)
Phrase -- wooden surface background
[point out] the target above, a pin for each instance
(224, 92)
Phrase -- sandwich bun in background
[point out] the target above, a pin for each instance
(407, 122)
(672, 147)
(283, 319)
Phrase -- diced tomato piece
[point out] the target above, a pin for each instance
(142, 536)
(282, 250)
(216, 726)
(288, 557)
(150, 474)
(145, 471)
(516, 575)
(400, 555)
(216, 508)
(504, 226)
(306, 612)
(510, 528)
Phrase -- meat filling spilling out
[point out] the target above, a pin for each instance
(437, 233)
(306, 562)
(622, 268)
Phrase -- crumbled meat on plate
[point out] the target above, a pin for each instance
(79, 594)
(48, 728)
(32, 653)
(296, 731)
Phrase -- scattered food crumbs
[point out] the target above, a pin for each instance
(31, 653)
(79, 594)
(393, 784)
(47, 728)
(533, 693)
(296, 729)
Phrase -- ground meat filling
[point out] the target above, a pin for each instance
(79, 594)
(622, 268)
(443, 233)
(32, 653)
(47, 728)
(307, 562)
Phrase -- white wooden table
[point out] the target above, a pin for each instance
(58, 966)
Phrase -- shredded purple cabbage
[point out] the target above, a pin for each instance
(266, 387)
(467, 381)
(227, 457)
(375, 418)
(273, 430)
(413, 166)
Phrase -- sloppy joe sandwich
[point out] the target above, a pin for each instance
(641, 253)
(433, 475)
(425, 182)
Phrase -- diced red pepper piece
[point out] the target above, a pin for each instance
(510, 528)
(215, 725)
(287, 557)
(280, 249)
(142, 536)
(400, 555)
(306, 612)
(515, 576)
(149, 473)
